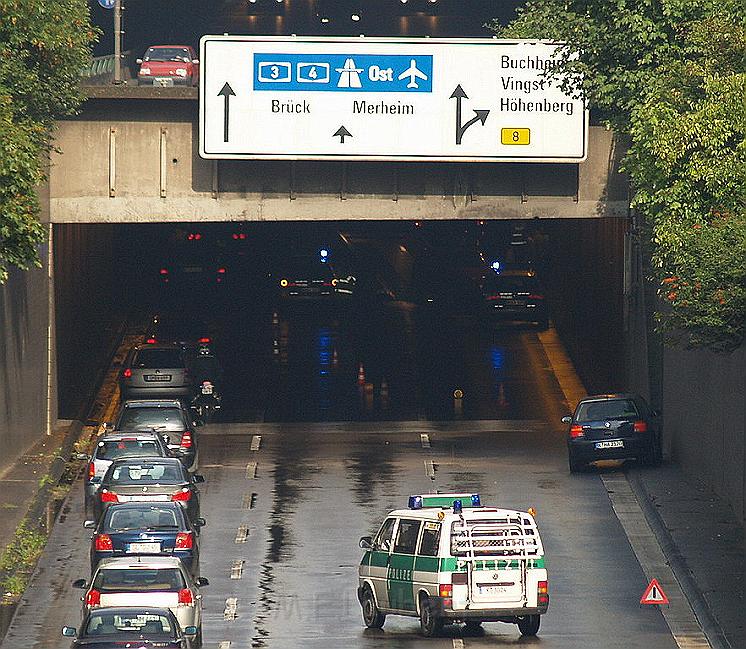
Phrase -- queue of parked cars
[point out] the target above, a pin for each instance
(142, 503)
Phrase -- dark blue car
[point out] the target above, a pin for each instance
(138, 528)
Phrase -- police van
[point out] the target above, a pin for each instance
(448, 559)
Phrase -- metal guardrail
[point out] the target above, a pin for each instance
(103, 65)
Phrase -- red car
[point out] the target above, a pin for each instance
(169, 65)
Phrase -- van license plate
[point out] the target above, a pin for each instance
(614, 443)
(492, 590)
(157, 377)
(144, 547)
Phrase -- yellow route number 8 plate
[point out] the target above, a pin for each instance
(515, 136)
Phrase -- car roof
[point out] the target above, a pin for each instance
(152, 47)
(153, 459)
(610, 397)
(433, 513)
(123, 434)
(142, 562)
(142, 346)
(135, 504)
(152, 403)
(129, 610)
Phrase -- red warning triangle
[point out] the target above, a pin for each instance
(654, 594)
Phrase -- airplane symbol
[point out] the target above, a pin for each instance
(413, 73)
(349, 75)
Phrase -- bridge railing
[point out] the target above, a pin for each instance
(100, 70)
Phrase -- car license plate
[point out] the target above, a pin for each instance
(492, 590)
(144, 547)
(206, 389)
(614, 443)
(157, 377)
(161, 81)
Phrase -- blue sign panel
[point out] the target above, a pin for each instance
(343, 72)
(107, 4)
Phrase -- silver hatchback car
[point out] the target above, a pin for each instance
(153, 370)
(146, 581)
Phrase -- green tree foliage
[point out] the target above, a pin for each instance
(670, 74)
(43, 46)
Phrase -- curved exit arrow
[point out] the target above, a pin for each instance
(481, 115)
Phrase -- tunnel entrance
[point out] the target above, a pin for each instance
(346, 320)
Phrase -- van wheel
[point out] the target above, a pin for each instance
(473, 625)
(529, 624)
(430, 624)
(372, 617)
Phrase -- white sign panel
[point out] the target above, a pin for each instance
(385, 99)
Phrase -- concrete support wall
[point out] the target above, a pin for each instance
(704, 412)
(24, 304)
(136, 160)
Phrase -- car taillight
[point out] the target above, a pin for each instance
(239, 235)
(151, 341)
(204, 340)
(104, 542)
(542, 592)
(221, 270)
(182, 496)
(109, 497)
(127, 373)
(445, 590)
(186, 440)
(492, 298)
(93, 598)
(535, 297)
(576, 431)
(641, 427)
(185, 596)
(163, 271)
(91, 470)
(184, 541)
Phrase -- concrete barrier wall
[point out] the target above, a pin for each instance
(23, 361)
(704, 411)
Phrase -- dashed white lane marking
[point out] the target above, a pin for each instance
(251, 470)
(242, 534)
(678, 615)
(231, 608)
(458, 643)
(225, 644)
(256, 442)
(425, 440)
(429, 469)
(237, 569)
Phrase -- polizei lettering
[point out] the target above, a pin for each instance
(290, 106)
(382, 108)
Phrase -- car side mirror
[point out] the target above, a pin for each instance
(366, 543)
(195, 61)
(81, 456)
(89, 525)
(202, 581)
(198, 478)
(138, 61)
(80, 583)
(201, 522)
(69, 631)
(190, 630)
(566, 419)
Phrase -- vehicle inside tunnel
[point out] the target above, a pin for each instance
(345, 321)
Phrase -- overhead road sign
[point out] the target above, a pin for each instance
(265, 97)
(654, 594)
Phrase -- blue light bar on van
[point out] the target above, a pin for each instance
(443, 500)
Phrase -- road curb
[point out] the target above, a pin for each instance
(676, 561)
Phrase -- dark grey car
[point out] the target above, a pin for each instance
(168, 417)
(153, 370)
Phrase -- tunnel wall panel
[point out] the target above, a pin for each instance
(23, 361)
(704, 409)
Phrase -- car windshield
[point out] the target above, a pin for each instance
(155, 358)
(610, 409)
(135, 580)
(113, 449)
(167, 54)
(145, 518)
(162, 419)
(136, 474)
(103, 624)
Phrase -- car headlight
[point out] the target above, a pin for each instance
(181, 72)
(144, 70)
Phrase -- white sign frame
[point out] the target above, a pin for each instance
(250, 107)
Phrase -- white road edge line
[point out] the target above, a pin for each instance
(242, 533)
(425, 440)
(251, 470)
(237, 569)
(231, 607)
(429, 469)
(679, 615)
(256, 442)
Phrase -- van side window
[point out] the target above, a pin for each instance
(385, 535)
(430, 540)
(406, 536)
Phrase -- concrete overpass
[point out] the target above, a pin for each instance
(131, 156)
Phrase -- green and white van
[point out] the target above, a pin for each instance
(447, 559)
